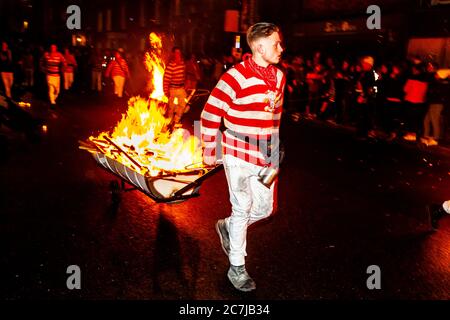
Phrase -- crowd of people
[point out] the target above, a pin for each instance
(86, 67)
(383, 99)
(113, 74)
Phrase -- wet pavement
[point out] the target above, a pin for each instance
(343, 205)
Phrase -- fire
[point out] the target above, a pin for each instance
(143, 132)
(155, 65)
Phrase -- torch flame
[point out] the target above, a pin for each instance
(143, 131)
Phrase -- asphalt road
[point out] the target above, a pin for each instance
(344, 205)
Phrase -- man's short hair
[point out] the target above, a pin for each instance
(175, 49)
(260, 30)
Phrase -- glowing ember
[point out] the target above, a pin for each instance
(143, 131)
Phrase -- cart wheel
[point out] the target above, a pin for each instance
(116, 193)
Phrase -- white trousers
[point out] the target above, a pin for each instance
(53, 83)
(8, 80)
(433, 120)
(250, 201)
(68, 80)
(177, 110)
(119, 83)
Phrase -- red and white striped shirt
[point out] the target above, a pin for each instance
(174, 76)
(54, 63)
(250, 106)
(117, 67)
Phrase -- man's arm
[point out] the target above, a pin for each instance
(125, 68)
(63, 63)
(215, 108)
(167, 78)
(108, 69)
(74, 62)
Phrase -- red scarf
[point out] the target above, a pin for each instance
(268, 74)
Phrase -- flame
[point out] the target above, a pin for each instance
(143, 131)
(155, 65)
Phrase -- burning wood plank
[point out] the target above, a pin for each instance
(124, 153)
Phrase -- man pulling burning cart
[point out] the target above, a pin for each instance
(248, 97)
(169, 166)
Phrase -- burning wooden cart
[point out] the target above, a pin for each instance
(166, 186)
(148, 153)
(146, 150)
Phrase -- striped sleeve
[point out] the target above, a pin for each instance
(174, 76)
(218, 103)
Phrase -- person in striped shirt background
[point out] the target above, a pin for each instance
(54, 63)
(118, 70)
(174, 86)
(69, 70)
(249, 98)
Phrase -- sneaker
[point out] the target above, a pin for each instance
(240, 279)
(222, 231)
(410, 137)
(432, 142)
